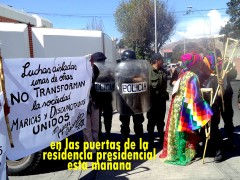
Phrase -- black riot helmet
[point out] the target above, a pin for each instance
(128, 54)
(98, 57)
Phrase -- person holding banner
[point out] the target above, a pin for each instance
(159, 95)
(90, 133)
(188, 112)
(3, 138)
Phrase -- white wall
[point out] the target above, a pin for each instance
(64, 42)
(41, 22)
(14, 40)
(49, 42)
(110, 49)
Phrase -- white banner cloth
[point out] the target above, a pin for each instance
(48, 100)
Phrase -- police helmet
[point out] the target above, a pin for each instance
(128, 54)
(98, 57)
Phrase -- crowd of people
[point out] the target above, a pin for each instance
(190, 109)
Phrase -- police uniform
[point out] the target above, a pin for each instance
(159, 95)
(104, 94)
(138, 118)
(106, 110)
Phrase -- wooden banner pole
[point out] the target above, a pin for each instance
(218, 75)
(225, 70)
(6, 103)
(208, 125)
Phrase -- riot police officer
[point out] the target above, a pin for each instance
(104, 86)
(159, 95)
(132, 95)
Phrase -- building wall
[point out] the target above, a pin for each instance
(24, 41)
(14, 40)
(24, 35)
(10, 14)
(4, 19)
(65, 43)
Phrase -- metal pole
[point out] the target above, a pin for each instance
(184, 46)
(155, 18)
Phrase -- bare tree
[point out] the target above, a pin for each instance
(95, 24)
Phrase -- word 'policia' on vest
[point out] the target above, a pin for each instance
(134, 87)
(104, 87)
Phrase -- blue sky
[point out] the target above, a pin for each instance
(80, 13)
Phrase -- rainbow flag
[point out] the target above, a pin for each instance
(195, 112)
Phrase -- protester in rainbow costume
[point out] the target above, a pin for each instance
(188, 112)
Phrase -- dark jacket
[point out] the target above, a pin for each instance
(93, 93)
(164, 77)
(239, 95)
(211, 82)
(231, 75)
(175, 75)
(158, 86)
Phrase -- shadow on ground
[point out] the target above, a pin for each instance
(233, 151)
(123, 174)
(229, 150)
(50, 166)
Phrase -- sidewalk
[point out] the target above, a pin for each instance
(151, 169)
(228, 169)
(155, 169)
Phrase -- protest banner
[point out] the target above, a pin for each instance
(48, 99)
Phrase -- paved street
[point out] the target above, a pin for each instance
(151, 169)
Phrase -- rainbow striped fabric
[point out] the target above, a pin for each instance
(195, 112)
(188, 112)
